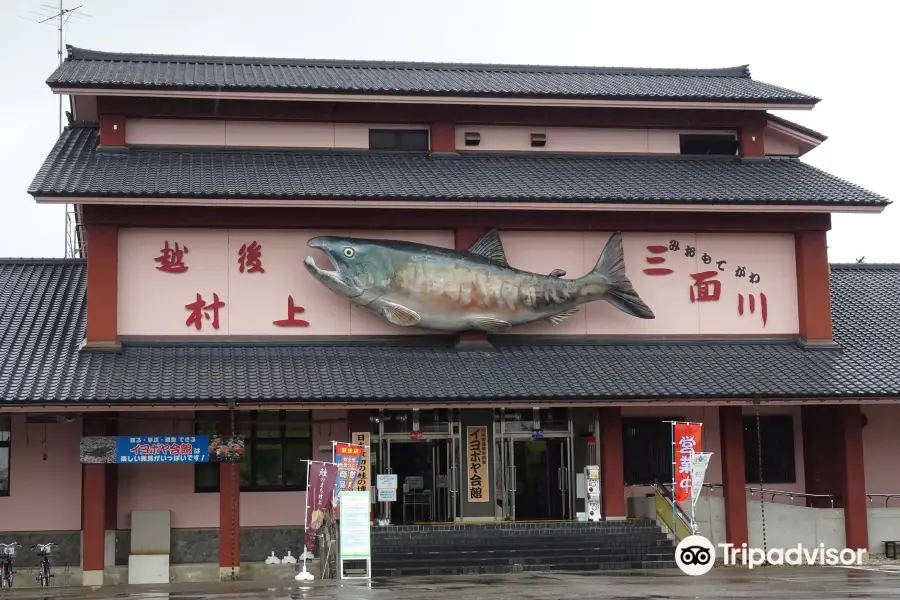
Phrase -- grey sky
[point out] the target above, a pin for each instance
(843, 53)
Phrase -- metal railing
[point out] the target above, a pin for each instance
(886, 497)
(762, 492)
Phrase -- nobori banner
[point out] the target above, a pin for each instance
(161, 449)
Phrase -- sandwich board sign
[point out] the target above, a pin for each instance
(355, 532)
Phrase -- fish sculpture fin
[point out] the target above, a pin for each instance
(489, 246)
(560, 317)
(490, 325)
(620, 293)
(557, 273)
(400, 315)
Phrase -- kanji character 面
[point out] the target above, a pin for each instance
(708, 289)
(171, 260)
(200, 309)
(657, 260)
(292, 320)
(250, 257)
(763, 306)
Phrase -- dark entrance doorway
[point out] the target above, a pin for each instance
(540, 494)
(425, 480)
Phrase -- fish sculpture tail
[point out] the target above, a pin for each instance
(620, 293)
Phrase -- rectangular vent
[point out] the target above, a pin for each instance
(538, 140)
(38, 419)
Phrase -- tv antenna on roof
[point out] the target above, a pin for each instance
(60, 16)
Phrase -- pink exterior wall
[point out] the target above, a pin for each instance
(780, 145)
(881, 450)
(252, 134)
(571, 139)
(45, 495)
(162, 486)
(709, 416)
(153, 303)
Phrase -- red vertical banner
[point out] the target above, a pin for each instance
(687, 443)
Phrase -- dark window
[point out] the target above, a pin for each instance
(398, 139)
(5, 432)
(703, 144)
(777, 436)
(647, 450)
(276, 442)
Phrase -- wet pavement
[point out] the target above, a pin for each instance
(823, 583)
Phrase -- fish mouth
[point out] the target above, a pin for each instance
(333, 279)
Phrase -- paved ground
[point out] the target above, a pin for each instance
(813, 583)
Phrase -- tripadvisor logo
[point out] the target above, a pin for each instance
(696, 555)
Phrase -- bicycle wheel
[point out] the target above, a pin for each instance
(42, 575)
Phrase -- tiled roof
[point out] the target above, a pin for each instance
(42, 320)
(76, 168)
(90, 69)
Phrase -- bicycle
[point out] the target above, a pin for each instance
(44, 551)
(7, 554)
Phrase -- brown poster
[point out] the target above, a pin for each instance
(477, 477)
(319, 494)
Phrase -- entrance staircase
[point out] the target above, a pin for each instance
(457, 549)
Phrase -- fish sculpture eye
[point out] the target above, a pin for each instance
(349, 252)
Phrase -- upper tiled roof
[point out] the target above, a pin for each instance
(42, 320)
(75, 168)
(91, 69)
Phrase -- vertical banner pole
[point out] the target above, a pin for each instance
(674, 467)
(306, 513)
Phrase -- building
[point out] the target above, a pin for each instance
(199, 182)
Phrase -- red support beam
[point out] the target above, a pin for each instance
(229, 513)
(102, 285)
(466, 221)
(734, 481)
(612, 463)
(813, 286)
(853, 477)
(98, 507)
(443, 137)
(112, 131)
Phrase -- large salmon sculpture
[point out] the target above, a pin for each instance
(415, 285)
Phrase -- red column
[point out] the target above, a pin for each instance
(612, 464)
(443, 137)
(813, 286)
(102, 292)
(734, 480)
(98, 510)
(229, 514)
(853, 490)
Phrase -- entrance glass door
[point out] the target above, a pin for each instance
(539, 487)
(535, 468)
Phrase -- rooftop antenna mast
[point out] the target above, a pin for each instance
(60, 16)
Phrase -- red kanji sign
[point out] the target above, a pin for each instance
(763, 306)
(250, 257)
(292, 320)
(171, 260)
(200, 309)
(657, 260)
(708, 289)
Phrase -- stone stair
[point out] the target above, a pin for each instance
(456, 549)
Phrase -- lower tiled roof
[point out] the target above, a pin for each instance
(42, 321)
(75, 168)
